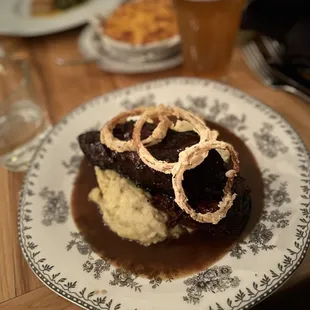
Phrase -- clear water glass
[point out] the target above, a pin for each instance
(23, 122)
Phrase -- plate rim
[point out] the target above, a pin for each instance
(165, 81)
(23, 29)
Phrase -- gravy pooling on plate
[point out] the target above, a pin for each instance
(191, 252)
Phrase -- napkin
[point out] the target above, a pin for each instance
(297, 44)
(287, 21)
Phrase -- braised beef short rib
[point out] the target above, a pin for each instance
(203, 184)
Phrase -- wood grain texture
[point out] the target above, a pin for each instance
(61, 89)
(66, 87)
(40, 299)
(16, 277)
(7, 280)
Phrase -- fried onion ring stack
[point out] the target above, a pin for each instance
(188, 159)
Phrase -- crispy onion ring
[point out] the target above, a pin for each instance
(107, 137)
(198, 126)
(193, 157)
(188, 159)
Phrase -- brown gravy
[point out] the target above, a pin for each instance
(172, 258)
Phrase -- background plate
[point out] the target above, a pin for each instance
(15, 20)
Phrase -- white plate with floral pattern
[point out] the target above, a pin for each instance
(65, 263)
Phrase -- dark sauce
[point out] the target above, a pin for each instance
(189, 254)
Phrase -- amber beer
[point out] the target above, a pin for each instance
(208, 29)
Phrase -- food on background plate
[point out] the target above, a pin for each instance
(46, 7)
(162, 173)
(140, 22)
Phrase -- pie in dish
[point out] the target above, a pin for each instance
(163, 173)
(140, 22)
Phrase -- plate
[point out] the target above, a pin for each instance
(65, 263)
(91, 47)
(15, 19)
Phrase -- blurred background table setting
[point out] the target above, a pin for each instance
(57, 54)
(280, 54)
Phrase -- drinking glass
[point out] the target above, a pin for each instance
(208, 29)
(23, 122)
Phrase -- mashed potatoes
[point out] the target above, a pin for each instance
(127, 210)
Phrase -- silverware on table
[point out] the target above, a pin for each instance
(274, 49)
(258, 53)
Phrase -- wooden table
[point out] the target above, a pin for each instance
(61, 89)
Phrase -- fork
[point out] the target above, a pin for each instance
(274, 48)
(257, 62)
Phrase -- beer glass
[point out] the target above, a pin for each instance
(208, 29)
